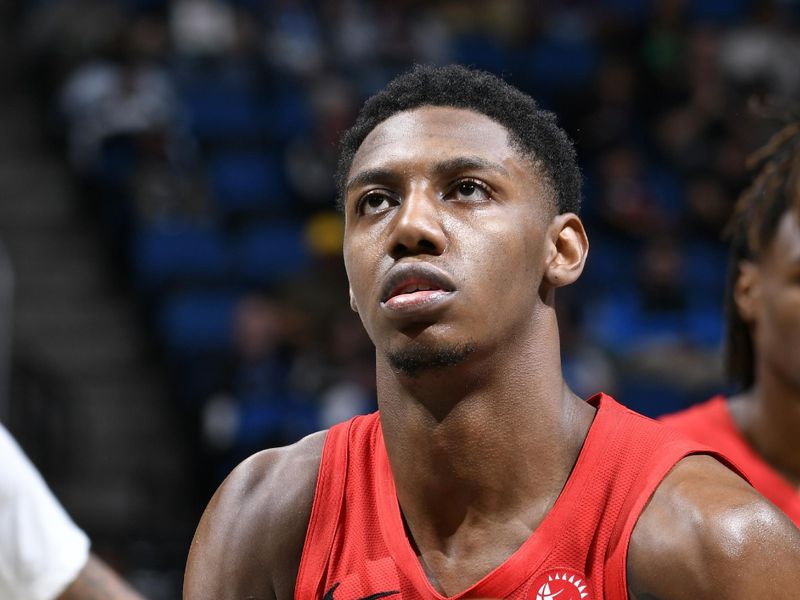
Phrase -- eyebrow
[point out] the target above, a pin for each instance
(445, 167)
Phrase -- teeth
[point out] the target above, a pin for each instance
(415, 288)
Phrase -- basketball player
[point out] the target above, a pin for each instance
(43, 554)
(759, 429)
(482, 475)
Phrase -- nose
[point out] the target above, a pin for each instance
(417, 227)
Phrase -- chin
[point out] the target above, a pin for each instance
(418, 359)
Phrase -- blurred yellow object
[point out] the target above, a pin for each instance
(324, 233)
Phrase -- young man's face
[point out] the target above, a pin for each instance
(776, 311)
(445, 227)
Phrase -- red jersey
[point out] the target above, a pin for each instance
(711, 423)
(356, 547)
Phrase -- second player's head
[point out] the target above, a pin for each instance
(763, 297)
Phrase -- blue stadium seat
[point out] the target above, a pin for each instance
(618, 322)
(197, 322)
(666, 189)
(611, 261)
(285, 114)
(247, 182)
(178, 253)
(266, 254)
(283, 416)
(706, 326)
(219, 109)
(652, 398)
(706, 270)
(562, 63)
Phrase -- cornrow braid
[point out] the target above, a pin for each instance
(758, 211)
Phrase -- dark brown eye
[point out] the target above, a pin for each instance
(467, 188)
(470, 190)
(373, 203)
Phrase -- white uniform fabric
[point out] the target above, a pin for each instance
(41, 549)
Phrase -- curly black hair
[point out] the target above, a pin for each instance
(755, 220)
(532, 130)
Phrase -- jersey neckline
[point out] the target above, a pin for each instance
(520, 565)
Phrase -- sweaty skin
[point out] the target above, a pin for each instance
(441, 195)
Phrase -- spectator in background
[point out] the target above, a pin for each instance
(128, 94)
(759, 428)
(43, 554)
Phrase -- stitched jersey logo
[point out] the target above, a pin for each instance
(560, 584)
(329, 594)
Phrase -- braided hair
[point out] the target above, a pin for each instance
(757, 214)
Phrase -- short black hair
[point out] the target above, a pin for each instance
(532, 130)
(775, 191)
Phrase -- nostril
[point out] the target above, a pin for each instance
(427, 245)
(421, 246)
(399, 250)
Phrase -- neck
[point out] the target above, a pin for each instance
(463, 433)
(769, 416)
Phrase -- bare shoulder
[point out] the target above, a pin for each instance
(707, 534)
(250, 538)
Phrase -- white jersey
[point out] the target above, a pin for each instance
(41, 549)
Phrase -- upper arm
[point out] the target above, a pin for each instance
(707, 534)
(250, 538)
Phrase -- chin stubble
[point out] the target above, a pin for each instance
(415, 361)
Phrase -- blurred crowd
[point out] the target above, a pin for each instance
(203, 134)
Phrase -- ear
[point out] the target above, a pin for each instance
(746, 290)
(352, 300)
(568, 247)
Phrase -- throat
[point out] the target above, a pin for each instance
(477, 547)
(472, 501)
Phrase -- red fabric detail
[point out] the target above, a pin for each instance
(328, 496)
(624, 458)
(710, 423)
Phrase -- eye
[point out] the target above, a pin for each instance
(470, 190)
(374, 202)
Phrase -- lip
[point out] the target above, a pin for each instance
(399, 298)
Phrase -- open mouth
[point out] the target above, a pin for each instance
(414, 287)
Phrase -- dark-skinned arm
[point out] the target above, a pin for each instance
(97, 581)
(250, 539)
(707, 534)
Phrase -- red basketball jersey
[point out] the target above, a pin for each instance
(711, 423)
(356, 546)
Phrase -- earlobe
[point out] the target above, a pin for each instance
(745, 290)
(568, 250)
(353, 302)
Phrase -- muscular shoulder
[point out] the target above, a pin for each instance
(707, 534)
(250, 538)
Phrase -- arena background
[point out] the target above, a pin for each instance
(171, 265)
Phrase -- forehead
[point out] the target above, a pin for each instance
(436, 133)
